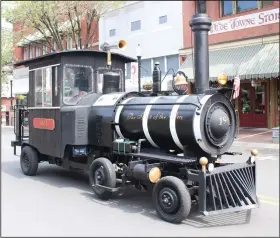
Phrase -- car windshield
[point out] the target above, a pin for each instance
(77, 82)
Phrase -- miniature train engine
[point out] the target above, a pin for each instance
(172, 144)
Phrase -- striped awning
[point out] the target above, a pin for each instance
(249, 62)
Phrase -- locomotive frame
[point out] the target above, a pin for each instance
(97, 133)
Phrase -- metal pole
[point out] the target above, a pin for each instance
(139, 73)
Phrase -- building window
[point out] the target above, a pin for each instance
(45, 49)
(128, 71)
(162, 19)
(234, 7)
(25, 53)
(31, 52)
(136, 25)
(201, 6)
(243, 6)
(43, 87)
(227, 8)
(38, 51)
(267, 3)
(112, 32)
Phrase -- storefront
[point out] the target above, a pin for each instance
(256, 62)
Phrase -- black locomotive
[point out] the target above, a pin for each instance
(169, 143)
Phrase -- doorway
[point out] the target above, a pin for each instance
(253, 105)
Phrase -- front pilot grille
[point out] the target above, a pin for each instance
(232, 188)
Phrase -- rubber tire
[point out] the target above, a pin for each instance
(184, 199)
(32, 156)
(110, 177)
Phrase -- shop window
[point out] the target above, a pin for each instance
(43, 87)
(243, 6)
(136, 25)
(227, 8)
(201, 6)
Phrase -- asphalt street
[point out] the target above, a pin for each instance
(57, 202)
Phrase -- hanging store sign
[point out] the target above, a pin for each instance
(245, 22)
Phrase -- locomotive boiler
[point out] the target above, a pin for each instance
(170, 144)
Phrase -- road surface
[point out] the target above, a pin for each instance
(57, 202)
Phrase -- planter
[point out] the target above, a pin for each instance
(275, 135)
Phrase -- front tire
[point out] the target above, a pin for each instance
(171, 199)
(102, 172)
(29, 161)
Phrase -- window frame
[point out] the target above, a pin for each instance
(43, 86)
(63, 80)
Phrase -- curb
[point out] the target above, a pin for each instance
(258, 146)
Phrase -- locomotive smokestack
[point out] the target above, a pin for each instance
(201, 25)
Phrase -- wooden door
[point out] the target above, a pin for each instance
(253, 105)
(245, 105)
(260, 105)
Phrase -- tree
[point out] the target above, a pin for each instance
(6, 55)
(56, 20)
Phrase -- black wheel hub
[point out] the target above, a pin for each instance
(99, 176)
(168, 200)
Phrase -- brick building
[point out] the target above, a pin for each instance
(34, 46)
(244, 41)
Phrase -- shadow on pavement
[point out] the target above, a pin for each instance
(129, 201)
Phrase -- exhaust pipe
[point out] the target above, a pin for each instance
(201, 24)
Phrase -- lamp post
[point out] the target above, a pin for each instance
(138, 54)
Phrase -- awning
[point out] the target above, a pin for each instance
(249, 62)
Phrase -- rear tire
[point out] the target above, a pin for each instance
(29, 161)
(171, 199)
(102, 172)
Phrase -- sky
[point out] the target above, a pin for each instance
(6, 5)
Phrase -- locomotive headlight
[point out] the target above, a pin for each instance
(222, 79)
(210, 167)
(154, 174)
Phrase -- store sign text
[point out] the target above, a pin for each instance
(246, 21)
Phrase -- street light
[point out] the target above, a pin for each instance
(138, 54)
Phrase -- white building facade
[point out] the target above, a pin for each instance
(157, 26)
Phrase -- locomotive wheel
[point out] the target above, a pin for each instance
(102, 173)
(29, 161)
(171, 199)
